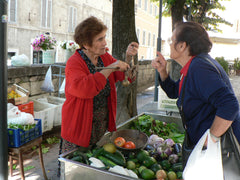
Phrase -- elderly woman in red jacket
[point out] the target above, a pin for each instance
(90, 106)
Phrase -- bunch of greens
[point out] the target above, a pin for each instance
(149, 125)
(23, 127)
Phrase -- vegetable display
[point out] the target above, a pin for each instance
(160, 159)
(149, 125)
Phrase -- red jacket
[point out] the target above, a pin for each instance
(80, 88)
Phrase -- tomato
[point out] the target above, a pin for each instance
(119, 141)
(129, 145)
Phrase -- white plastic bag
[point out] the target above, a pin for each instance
(15, 116)
(47, 83)
(62, 88)
(13, 111)
(21, 60)
(205, 164)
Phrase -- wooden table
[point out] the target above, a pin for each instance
(17, 153)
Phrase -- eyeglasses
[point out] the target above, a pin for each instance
(169, 40)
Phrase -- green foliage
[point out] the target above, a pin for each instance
(201, 12)
(14, 166)
(28, 168)
(223, 63)
(149, 125)
(236, 64)
(53, 140)
(44, 149)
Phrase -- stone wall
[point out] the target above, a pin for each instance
(146, 75)
(32, 77)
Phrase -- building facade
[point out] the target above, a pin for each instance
(59, 18)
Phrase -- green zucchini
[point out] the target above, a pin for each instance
(107, 161)
(115, 157)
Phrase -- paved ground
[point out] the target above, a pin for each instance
(145, 103)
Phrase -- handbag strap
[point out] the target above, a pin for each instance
(183, 91)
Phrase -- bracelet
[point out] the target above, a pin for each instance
(215, 137)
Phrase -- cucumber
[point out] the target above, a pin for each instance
(115, 157)
(97, 152)
(77, 158)
(107, 161)
(80, 157)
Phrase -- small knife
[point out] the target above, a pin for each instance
(107, 68)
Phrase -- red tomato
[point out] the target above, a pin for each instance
(129, 145)
(119, 141)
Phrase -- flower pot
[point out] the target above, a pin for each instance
(48, 56)
(68, 54)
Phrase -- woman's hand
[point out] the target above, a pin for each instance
(132, 50)
(120, 66)
(116, 66)
(160, 64)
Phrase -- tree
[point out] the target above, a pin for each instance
(123, 32)
(201, 11)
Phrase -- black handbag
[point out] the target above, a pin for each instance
(230, 155)
(229, 145)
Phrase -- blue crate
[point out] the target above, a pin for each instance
(18, 137)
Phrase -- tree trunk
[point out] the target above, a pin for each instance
(123, 32)
(177, 12)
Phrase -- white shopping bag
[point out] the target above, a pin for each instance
(47, 84)
(62, 88)
(205, 164)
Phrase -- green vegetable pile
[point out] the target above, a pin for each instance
(147, 124)
(23, 127)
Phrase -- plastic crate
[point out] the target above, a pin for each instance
(18, 137)
(57, 101)
(45, 112)
(27, 108)
(165, 103)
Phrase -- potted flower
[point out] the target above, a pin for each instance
(236, 66)
(46, 43)
(69, 47)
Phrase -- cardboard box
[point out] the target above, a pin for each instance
(19, 90)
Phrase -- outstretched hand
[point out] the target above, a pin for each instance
(160, 64)
(132, 49)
